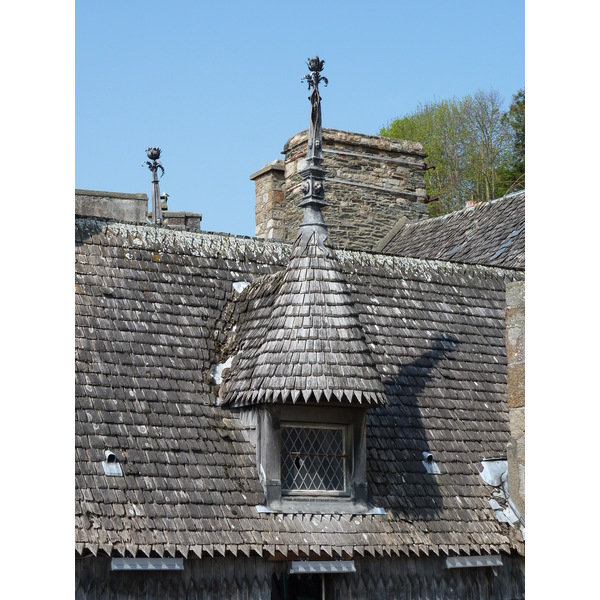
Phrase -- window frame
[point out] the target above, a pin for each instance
(346, 429)
(270, 420)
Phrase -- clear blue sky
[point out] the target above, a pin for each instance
(217, 85)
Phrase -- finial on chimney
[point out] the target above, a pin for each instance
(313, 176)
(154, 154)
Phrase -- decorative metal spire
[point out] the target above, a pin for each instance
(154, 154)
(313, 176)
(315, 134)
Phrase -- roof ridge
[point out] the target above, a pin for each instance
(467, 209)
(168, 239)
(281, 250)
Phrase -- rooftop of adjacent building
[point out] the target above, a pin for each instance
(488, 233)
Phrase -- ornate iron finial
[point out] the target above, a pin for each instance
(313, 176)
(315, 67)
(154, 164)
(315, 135)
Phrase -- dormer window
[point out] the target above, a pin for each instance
(312, 454)
(304, 372)
(314, 459)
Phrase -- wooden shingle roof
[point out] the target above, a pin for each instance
(490, 233)
(150, 304)
(309, 344)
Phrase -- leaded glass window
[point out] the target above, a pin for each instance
(313, 458)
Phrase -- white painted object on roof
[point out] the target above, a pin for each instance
(493, 470)
(111, 465)
(495, 473)
(430, 464)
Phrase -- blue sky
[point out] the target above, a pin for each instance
(217, 85)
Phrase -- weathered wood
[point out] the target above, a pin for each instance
(150, 300)
(251, 579)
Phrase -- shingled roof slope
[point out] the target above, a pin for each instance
(149, 310)
(489, 233)
(309, 345)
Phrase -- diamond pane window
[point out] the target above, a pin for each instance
(313, 459)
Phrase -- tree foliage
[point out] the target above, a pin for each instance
(515, 117)
(473, 144)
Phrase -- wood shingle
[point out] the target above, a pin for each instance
(153, 318)
(489, 233)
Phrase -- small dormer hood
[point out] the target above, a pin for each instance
(314, 348)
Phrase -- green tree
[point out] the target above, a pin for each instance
(515, 117)
(471, 143)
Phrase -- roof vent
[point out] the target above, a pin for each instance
(430, 464)
(307, 567)
(112, 467)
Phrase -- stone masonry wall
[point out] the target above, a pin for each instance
(515, 349)
(269, 184)
(131, 208)
(187, 221)
(371, 182)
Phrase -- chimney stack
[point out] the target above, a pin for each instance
(371, 182)
(269, 185)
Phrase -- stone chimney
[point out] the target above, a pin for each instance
(269, 185)
(370, 183)
(184, 220)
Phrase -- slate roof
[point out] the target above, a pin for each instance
(150, 311)
(489, 233)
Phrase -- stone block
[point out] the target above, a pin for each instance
(517, 430)
(516, 477)
(516, 385)
(515, 345)
(515, 294)
(515, 317)
(276, 195)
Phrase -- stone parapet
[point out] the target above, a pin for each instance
(130, 208)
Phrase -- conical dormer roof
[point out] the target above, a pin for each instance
(313, 347)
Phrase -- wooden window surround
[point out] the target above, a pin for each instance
(312, 454)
